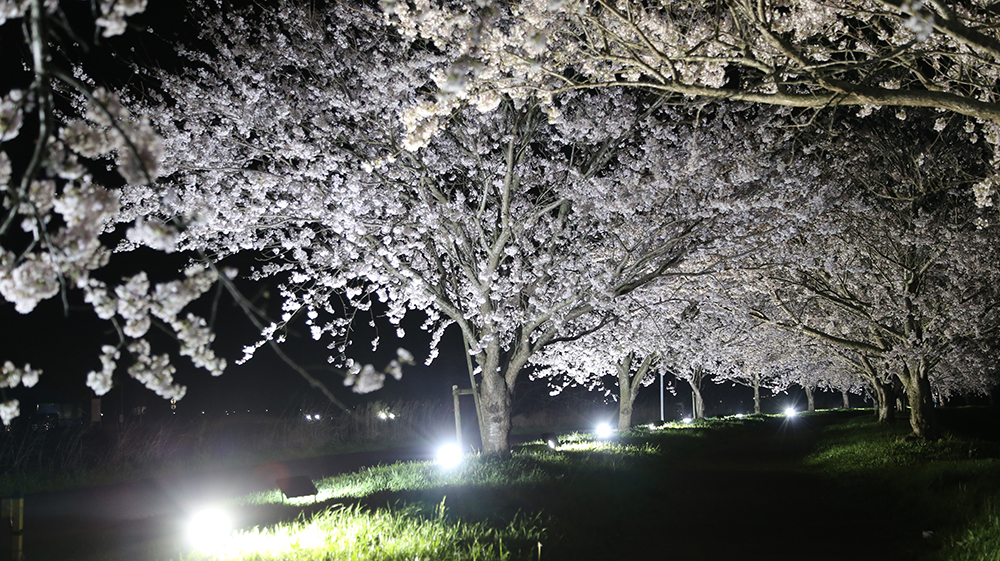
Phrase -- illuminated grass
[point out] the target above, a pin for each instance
(349, 534)
(533, 465)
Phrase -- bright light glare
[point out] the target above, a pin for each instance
(448, 456)
(739, 415)
(603, 430)
(687, 420)
(209, 528)
(790, 412)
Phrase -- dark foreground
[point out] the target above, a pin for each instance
(741, 493)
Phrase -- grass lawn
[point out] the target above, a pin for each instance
(828, 486)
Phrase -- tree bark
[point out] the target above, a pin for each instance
(884, 401)
(923, 420)
(698, 402)
(756, 393)
(847, 399)
(628, 387)
(496, 403)
(810, 398)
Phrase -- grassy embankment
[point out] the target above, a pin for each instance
(832, 485)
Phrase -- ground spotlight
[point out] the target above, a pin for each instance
(209, 528)
(448, 456)
(603, 430)
(687, 420)
(551, 440)
(790, 412)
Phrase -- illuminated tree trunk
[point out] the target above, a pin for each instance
(698, 402)
(810, 398)
(847, 399)
(923, 421)
(628, 387)
(756, 393)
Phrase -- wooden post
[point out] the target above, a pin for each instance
(12, 509)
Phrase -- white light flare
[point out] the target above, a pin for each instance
(209, 529)
(448, 456)
(603, 430)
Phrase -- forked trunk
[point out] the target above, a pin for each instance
(698, 402)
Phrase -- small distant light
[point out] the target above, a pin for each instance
(603, 430)
(651, 426)
(392, 415)
(739, 415)
(687, 420)
(317, 417)
(448, 456)
(383, 415)
(790, 412)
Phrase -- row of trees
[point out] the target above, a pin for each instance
(569, 209)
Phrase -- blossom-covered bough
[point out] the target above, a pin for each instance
(811, 54)
(55, 130)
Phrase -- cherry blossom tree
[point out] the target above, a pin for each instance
(900, 274)
(515, 226)
(618, 352)
(56, 128)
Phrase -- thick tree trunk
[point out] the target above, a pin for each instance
(495, 400)
(923, 420)
(847, 399)
(810, 398)
(884, 401)
(628, 387)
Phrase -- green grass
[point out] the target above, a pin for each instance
(951, 484)
(355, 533)
(683, 487)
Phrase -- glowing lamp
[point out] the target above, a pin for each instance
(603, 430)
(448, 456)
(790, 412)
(209, 528)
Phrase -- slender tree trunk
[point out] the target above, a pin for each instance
(756, 393)
(697, 401)
(625, 398)
(810, 398)
(923, 419)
